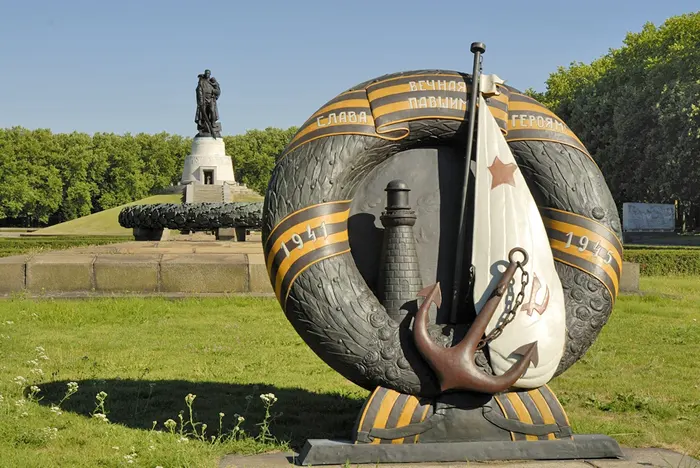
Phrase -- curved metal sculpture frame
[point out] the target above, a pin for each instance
(305, 233)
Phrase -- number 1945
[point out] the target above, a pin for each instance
(583, 243)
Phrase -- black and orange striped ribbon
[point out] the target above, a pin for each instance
(303, 238)
(537, 406)
(389, 409)
(585, 244)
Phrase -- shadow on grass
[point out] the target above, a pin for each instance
(299, 414)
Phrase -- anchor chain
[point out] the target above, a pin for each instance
(510, 315)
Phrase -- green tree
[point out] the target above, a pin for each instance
(636, 110)
(47, 177)
(255, 152)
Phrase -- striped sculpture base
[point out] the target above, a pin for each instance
(399, 428)
(389, 417)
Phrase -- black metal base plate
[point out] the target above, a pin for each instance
(587, 446)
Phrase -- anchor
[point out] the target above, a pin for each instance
(455, 367)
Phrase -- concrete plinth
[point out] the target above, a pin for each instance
(145, 234)
(208, 154)
(629, 279)
(196, 266)
(225, 234)
(332, 452)
(632, 458)
(60, 273)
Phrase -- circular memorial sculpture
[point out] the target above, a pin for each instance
(346, 282)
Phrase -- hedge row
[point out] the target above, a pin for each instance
(662, 262)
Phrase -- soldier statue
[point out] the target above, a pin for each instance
(207, 115)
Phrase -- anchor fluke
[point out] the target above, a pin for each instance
(432, 294)
(529, 352)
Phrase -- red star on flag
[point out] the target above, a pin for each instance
(502, 173)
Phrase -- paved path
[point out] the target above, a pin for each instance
(635, 458)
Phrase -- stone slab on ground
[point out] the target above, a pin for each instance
(634, 458)
(629, 279)
(257, 274)
(137, 273)
(197, 265)
(589, 446)
(204, 273)
(50, 272)
(13, 272)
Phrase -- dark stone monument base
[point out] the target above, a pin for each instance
(241, 233)
(225, 234)
(587, 446)
(145, 234)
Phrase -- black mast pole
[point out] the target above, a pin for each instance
(477, 48)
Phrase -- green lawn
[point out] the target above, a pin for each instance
(103, 223)
(29, 245)
(640, 382)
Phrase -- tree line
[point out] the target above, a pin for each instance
(46, 178)
(637, 110)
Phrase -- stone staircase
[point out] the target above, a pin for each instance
(215, 193)
(240, 190)
(208, 194)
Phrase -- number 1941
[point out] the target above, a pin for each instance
(310, 234)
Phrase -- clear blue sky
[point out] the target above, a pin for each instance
(131, 65)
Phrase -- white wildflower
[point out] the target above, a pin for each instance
(182, 439)
(57, 410)
(115, 448)
(34, 389)
(221, 415)
(101, 417)
(20, 403)
(24, 414)
(268, 398)
(21, 381)
(37, 371)
(170, 424)
(33, 362)
(190, 398)
(72, 387)
(9, 322)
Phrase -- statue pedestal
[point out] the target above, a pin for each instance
(208, 163)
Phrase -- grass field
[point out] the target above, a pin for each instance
(104, 223)
(640, 382)
(29, 245)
